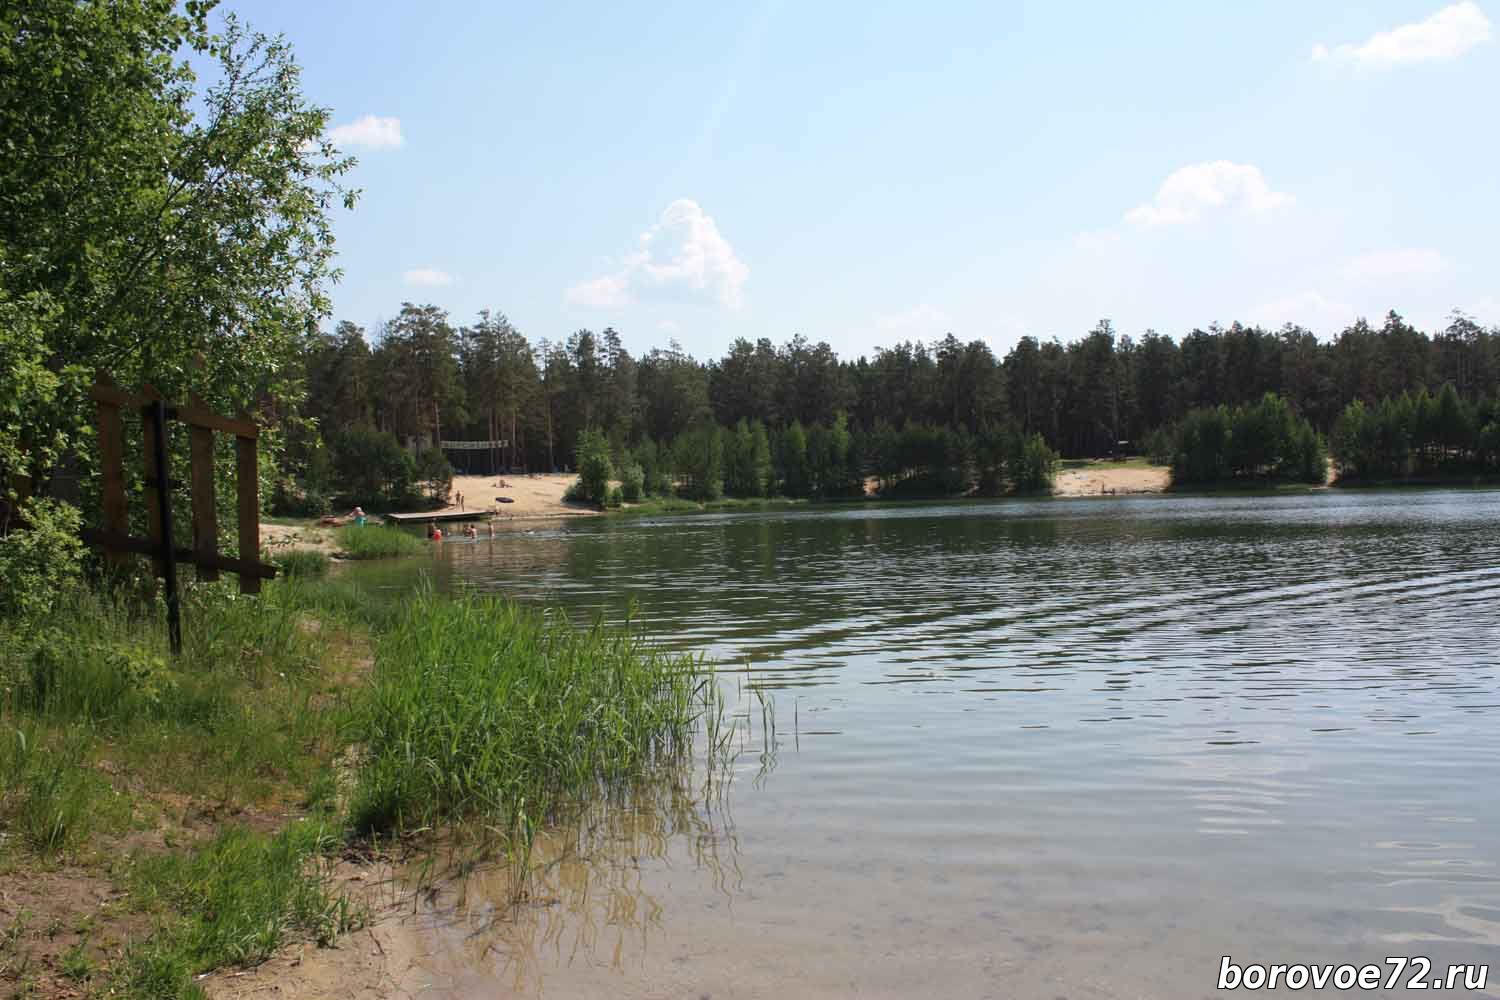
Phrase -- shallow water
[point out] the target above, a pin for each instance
(1053, 749)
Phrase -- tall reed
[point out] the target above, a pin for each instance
(482, 709)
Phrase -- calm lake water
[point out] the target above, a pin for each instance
(1029, 749)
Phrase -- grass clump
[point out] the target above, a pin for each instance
(482, 709)
(302, 562)
(234, 901)
(49, 795)
(376, 541)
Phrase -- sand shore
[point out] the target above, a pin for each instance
(1111, 478)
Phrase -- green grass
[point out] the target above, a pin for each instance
(234, 901)
(484, 710)
(476, 714)
(49, 795)
(301, 562)
(376, 541)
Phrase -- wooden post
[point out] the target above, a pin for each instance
(156, 419)
(112, 472)
(248, 476)
(157, 493)
(205, 516)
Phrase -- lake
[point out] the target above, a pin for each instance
(1027, 748)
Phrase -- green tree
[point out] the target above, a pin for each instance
(698, 461)
(1034, 465)
(791, 460)
(161, 231)
(594, 467)
(372, 467)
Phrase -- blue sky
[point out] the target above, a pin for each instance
(863, 173)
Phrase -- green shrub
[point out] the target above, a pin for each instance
(632, 483)
(39, 558)
(377, 541)
(1034, 467)
(594, 469)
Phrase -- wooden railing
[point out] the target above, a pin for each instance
(115, 538)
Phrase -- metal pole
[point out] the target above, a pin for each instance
(158, 415)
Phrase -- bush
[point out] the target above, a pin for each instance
(1034, 467)
(615, 497)
(632, 483)
(594, 469)
(39, 558)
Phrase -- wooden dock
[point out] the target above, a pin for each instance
(440, 516)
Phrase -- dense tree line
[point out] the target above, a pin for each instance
(1418, 435)
(796, 419)
(1258, 441)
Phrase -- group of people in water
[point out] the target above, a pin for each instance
(435, 534)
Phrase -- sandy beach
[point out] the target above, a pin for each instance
(534, 496)
(1107, 478)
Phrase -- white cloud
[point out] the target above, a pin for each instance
(1447, 34)
(682, 256)
(921, 320)
(1310, 309)
(669, 327)
(371, 132)
(1384, 265)
(428, 278)
(1189, 191)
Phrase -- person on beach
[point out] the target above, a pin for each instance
(358, 513)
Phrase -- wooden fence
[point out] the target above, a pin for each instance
(115, 538)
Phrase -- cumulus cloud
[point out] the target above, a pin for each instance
(922, 320)
(1190, 191)
(1447, 34)
(682, 256)
(428, 278)
(1384, 265)
(370, 132)
(1310, 309)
